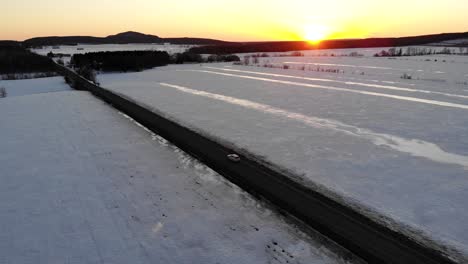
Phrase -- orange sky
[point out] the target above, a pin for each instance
(236, 20)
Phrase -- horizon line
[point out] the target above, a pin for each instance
(234, 41)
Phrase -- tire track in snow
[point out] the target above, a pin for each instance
(389, 87)
(398, 97)
(414, 147)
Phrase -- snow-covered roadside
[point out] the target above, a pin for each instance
(82, 183)
(405, 160)
(34, 86)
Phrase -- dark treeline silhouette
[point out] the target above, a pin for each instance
(284, 46)
(14, 59)
(187, 57)
(9, 43)
(193, 41)
(87, 64)
(122, 38)
(125, 61)
(121, 61)
(223, 58)
(190, 57)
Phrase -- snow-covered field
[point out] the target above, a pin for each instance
(395, 148)
(437, 70)
(359, 52)
(82, 183)
(84, 48)
(34, 86)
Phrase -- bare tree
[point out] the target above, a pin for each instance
(246, 60)
(3, 92)
(255, 60)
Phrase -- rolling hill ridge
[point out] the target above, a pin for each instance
(121, 38)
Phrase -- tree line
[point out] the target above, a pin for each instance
(121, 61)
(420, 51)
(130, 61)
(15, 60)
(126, 61)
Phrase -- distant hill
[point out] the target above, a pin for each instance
(282, 46)
(195, 41)
(132, 37)
(121, 38)
(213, 46)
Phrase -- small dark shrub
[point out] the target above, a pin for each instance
(406, 77)
(231, 58)
(87, 73)
(296, 54)
(223, 58)
(3, 92)
(246, 60)
(186, 57)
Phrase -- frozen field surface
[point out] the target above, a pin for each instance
(84, 48)
(446, 71)
(34, 86)
(395, 149)
(82, 183)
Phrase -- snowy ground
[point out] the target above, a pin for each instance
(396, 149)
(362, 52)
(81, 183)
(34, 86)
(436, 70)
(84, 48)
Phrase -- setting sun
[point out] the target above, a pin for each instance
(316, 33)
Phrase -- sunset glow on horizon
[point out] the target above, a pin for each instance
(240, 20)
(316, 33)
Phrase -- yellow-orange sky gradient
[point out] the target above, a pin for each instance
(234, 20)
